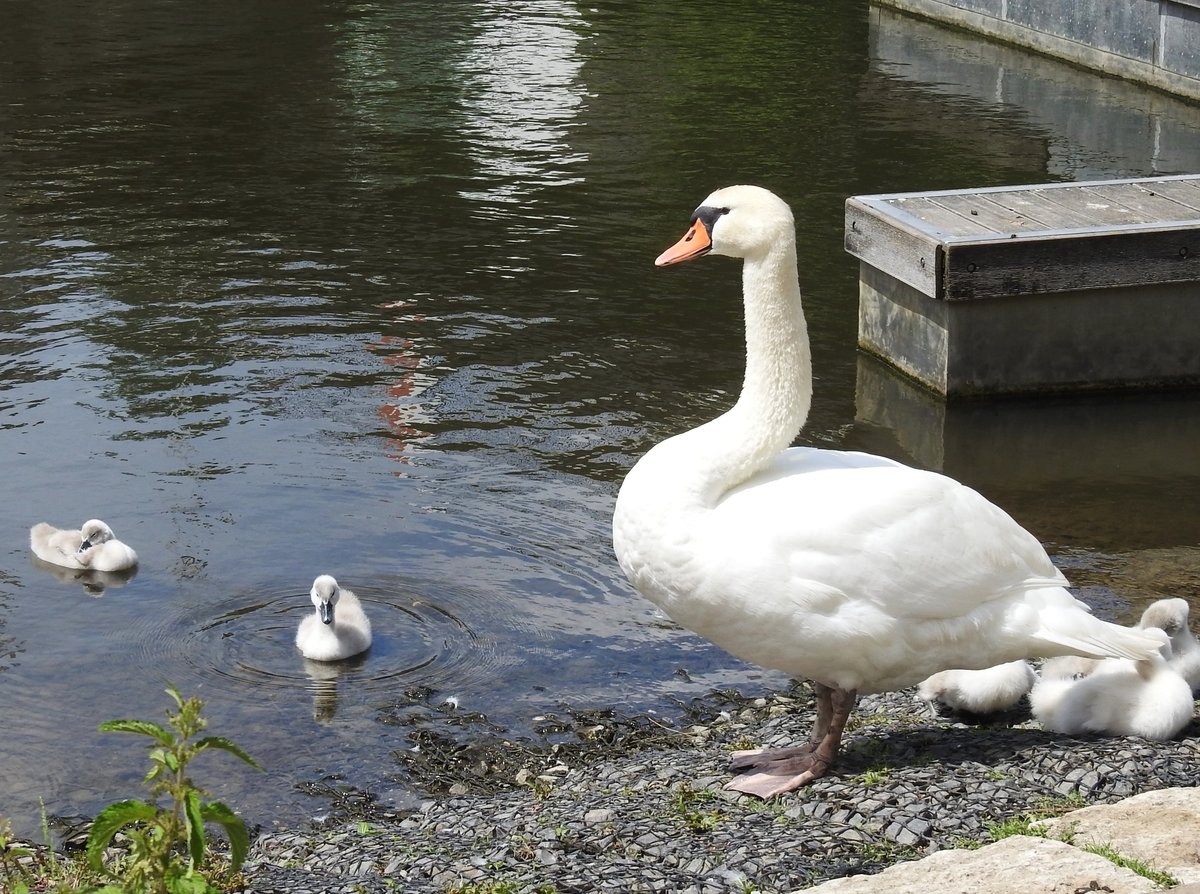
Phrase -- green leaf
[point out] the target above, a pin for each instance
(173, 691)
(188, 882)
(166, 758)
(144, 727)
(195, 822)
(235, 831)
(223, 744)
(109, 821)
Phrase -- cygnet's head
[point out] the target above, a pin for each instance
(736, 221)
(94, 533)
(1168, 615)
(325, 594)
(1164, 650)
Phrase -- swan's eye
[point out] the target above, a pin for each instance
(708, 215)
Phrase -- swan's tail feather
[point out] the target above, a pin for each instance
(1093, 638)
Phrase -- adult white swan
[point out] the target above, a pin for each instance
(850, 570)
(93, 547)
(338, 628)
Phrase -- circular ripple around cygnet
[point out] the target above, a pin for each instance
(246, 646)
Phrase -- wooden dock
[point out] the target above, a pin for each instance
(1051, 287)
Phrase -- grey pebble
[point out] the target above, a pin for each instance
(649, 821)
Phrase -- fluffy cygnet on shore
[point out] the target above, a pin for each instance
(1067, 667)
(93, 547)
(338, 628)
(1167, 615)
(1119, 698)
(979, 691)
(1171, 617)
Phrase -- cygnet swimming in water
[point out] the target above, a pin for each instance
(94, 547)
(1119, 698)
(338, 628)
(985, 691)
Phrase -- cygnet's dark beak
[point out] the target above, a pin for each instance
(85, 546)
(326, 612)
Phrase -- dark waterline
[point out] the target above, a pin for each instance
(366, 289)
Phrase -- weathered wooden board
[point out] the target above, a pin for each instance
(896, 244)
(999, 215)
(935, 217)
(1144, 204)
(1186, 192)
(1065, 264)
(1061, 209)
(1025, 240)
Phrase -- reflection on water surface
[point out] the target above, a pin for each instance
(367, 290)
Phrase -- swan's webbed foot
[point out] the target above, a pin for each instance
(753, 757)
(778, 770)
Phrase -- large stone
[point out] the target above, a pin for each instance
(1160, 828)
(1016, 865)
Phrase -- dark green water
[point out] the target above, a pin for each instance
(366, 289)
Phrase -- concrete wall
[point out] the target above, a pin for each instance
(1154, 42)
(1088, 127)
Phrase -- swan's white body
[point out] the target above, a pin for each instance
(338, 628)
(979, 691)
(94, 547)
(851, 570)
(1118, 698)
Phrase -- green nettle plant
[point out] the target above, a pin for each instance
(166, 843)
(11, 871)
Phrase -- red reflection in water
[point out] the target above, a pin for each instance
(400, 414)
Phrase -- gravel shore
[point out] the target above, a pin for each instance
(649, 814)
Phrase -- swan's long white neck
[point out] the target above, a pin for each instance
(777, 390)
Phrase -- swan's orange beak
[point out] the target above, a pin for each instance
(694, 243)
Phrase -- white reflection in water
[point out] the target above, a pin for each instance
(323, 683)
(521, 97)
(93, 582)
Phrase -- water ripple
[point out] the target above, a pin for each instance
(244, 650)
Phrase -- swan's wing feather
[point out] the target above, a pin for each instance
(913, 543)
(59, 547)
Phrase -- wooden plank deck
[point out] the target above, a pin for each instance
(1057, 286)
(965, 244)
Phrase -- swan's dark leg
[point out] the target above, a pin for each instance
(778, 770)
(739, 760)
